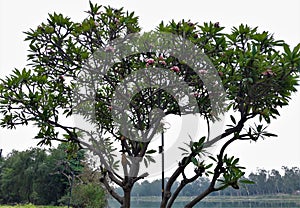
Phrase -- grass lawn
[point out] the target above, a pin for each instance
(28, 206)
(261, 198)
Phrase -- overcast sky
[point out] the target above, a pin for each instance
(279, 17)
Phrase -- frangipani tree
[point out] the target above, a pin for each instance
(68, 75)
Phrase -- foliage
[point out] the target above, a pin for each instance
(30, 206)
(87, 191)
(258, 73)
(40, 177)
(88, 195)
(22, 174)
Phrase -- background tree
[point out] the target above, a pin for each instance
(27, 177)
(291, 179)
(258, 74)
(44, 178)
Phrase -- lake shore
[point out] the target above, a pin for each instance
(210, 199)
(257, 198)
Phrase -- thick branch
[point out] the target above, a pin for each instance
(227, 132)
(199, 198)
(111, 191)
(217, 173)
(183, 183)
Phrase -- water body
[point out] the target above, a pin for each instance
(244, 204)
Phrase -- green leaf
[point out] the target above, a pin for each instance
(146, 163)
(152, 151)
(235, 186)
(214, 159)
(235, 161)
(254, 51)
(208, 166)
(194, 160)
(259, 128)
(245, 181)
(49, 30)
(150, 159)
(270, 135)
(84, 55)
(202, 140)
(233, 119)
(287, 49)
(296, 49)
(183, 149)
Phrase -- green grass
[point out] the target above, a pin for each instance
(28, 206)
(262, 198)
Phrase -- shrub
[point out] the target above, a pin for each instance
(88, 195)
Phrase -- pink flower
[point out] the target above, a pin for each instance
(163, 63)
(268, 72)
(97, 24)
(150, 61)
(220, 73)
(216, 83)
(202, 71)
(117, 21)
(196, 94)
(175, 68)
(161, 58)
(190, 24)
(61, 77)
(109, 108)
(147, 64)
(109, 49)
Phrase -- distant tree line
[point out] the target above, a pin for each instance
(264, 183)
(45, 177)
(272, 182)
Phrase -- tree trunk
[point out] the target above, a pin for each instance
(127, 198)
(165, 200)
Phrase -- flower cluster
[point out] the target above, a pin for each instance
(161, 60)
(175, 69)
(203, 71)
(61, 78)
(109, 49)
(149, 62)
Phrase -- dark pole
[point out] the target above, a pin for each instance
(161, 150)
(162, 165)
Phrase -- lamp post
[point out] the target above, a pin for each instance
(161, 150)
